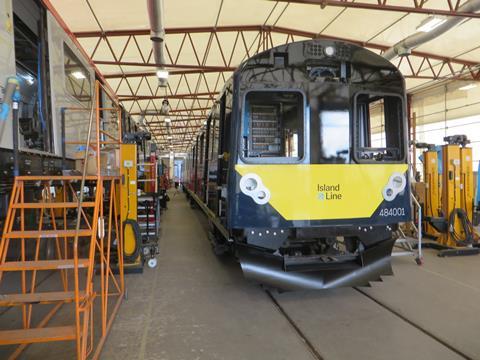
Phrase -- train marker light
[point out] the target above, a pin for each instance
(329, 51)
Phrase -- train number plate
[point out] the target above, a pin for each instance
(392, 212)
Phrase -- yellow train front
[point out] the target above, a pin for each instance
(302, 166)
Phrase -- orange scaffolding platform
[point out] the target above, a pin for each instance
(79, 215)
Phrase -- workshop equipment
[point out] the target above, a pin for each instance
(85, 245)
(457, 235)
(432, 189)
(140, 211)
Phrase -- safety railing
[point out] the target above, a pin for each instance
(407, 245)
(96, 227)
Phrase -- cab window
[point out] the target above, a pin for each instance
(273, 125)
(379, 128)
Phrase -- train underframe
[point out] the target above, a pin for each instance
(317, 262)
(306, 258)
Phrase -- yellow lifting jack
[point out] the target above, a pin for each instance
(449, 197)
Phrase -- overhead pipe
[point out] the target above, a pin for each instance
(405, 46)
(156, 16)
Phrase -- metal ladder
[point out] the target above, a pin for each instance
(83, 255)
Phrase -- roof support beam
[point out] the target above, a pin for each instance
(178, 127)
(257, 28)
(162, 134)
(173, 111)
(180, 30)
(417, 65)
(174, 66)
(210, 95)
(411, 6)
(189, 119)
(197, 70)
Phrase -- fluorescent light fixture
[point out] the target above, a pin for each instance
(468, 87)
(430, 23)
(162, 74)
(78, 75)
(168, 120)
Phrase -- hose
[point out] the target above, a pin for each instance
(466, 224)
(12, 93)
(40, 88)
(138, 240)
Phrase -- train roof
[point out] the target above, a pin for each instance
(320, 51)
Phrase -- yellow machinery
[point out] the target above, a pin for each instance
(466, 177)
(432, 197)
(140, 212)
(453, 223)
(451, 185)
(148, 201)
(128, 209)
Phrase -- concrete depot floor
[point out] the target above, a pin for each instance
(196, 306)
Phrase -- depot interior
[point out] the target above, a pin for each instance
(111, 214)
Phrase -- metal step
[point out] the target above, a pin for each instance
(57, 177)
(38, 335)
(42, 265)
(150, 225)
(38, 298)
(51, 205)
(27, 234)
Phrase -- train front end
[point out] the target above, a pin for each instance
(319, 181)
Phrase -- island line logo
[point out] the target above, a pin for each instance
(329, 192)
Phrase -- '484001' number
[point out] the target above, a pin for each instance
(392, 212)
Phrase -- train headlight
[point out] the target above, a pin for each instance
(398, 181)
(396, 184)
(249, 183)
(252, 186)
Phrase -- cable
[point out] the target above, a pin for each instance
(128, 192)
(466, 224)
(138, 240)
(39, 89)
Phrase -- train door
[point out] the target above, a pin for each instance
(195, 166)
(223, 154)
(212, 163)
(201, 159)
(205, 165)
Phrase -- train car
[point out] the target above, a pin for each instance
(302, 166)
(57, 83)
